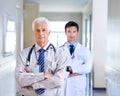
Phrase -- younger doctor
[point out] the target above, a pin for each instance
(78, 65)
(40, 68)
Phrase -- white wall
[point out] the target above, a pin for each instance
(19, 26)
(15, 9)
(99, 30)
(113, 47)
(6, 6)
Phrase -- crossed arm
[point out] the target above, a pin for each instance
(42, 80)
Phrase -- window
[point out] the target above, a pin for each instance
(57, 36)
(9, 37)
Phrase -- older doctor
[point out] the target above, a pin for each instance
(78, 65)
(40, 68)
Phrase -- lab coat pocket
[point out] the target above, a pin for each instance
(81, 59)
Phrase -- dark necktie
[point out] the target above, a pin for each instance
(71, 49)
(41, 69)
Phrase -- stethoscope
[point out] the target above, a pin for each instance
(30, 52)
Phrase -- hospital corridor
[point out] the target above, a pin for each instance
(99, 31)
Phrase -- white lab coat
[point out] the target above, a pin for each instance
(54, 64)
(81, 63)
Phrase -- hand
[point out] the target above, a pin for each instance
(74, 74)
(69, 69)
(29, 87)
(23, 71)
(47, 75)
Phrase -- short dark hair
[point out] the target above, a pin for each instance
(70, 24)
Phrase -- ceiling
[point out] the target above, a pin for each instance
(60, 6)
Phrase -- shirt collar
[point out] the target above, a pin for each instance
(75, 44)
(38, 47)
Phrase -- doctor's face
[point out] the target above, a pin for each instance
(71, 33)
(41, 33)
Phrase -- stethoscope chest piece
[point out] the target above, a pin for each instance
(27, 63)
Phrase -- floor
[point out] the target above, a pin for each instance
(99, 92)
(7, 82)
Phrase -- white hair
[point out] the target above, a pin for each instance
(39, 20)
